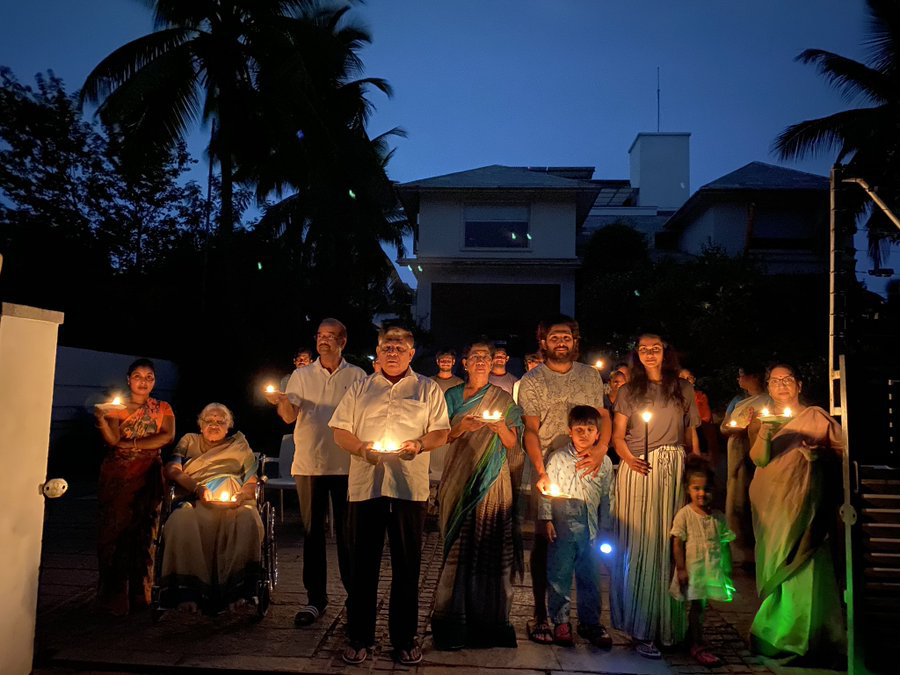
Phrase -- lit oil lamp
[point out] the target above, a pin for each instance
(764, 412)
(554, 490)
(732, 423)
(787, 413)
(270, 389)
(491, 416)
(386, 447)
(226, 497)
(117, 400)
(598, 364)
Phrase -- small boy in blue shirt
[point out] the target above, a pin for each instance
(574, 523)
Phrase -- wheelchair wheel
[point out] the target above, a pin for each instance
(269, 561)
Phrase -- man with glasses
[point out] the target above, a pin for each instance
(405, 414)
(320, 467)
(547, 393)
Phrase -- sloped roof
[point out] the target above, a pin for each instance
(497, 176)
(752, 177)
(762, 176)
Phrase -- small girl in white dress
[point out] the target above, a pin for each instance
(700, 539)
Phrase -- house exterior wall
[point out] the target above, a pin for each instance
(660, 168)
(787, 235)
(442, 227)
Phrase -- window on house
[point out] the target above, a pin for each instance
(496, 226)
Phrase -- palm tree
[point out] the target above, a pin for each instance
(867, 137)
(340, 205)
(198, 65)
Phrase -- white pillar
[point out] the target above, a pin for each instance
(27, 365)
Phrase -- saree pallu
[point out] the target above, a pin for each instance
(481, 551)
(212, 554)
(130, 492)
(640, 602)
(794, 499)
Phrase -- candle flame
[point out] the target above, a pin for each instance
(225, 496)
(554, 490)
(270, 389)
(646, 415)
(764, 412)
(787, 412)
(732, 423)
(117, 400)
(598, 364)
(491, 415)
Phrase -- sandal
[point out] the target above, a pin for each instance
(539, 631)
(647, 649)
(307, 616)
(355, 653)
(597, 635)
(705, 657)
(410, 656)
(562, 635)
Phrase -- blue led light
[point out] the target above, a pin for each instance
(605, 548)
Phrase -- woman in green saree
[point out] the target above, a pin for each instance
(211, 558)
(794, 495)
(481, 552)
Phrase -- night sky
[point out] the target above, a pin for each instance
(537, 82)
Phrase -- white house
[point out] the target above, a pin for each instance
(491, 241)
(777, 215)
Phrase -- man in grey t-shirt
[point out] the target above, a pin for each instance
(547, 394)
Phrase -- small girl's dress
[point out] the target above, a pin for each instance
(707, 556)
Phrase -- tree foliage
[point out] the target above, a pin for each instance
(865, 138)
(718, 311)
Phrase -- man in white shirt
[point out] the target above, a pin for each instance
(320, 466)
(397, 409)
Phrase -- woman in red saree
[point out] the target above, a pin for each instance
(130, 490)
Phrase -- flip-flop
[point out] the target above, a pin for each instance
(597, 635)
(562, 635)
(410, 656)
(705, 657)
(648, 650)
(307, 615)
(540, 632)
(355, 654)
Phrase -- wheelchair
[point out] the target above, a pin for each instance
(268, 554)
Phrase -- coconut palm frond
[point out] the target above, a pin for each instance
(883, 42)
(120, 66)
(852, 79)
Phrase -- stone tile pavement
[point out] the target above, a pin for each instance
(73, 636)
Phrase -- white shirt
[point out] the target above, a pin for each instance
(317, 392)
(376, 410)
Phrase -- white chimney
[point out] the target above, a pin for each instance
(660, 168)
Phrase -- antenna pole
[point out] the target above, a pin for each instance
(657, 99)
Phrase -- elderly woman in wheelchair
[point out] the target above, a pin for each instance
(213, 538)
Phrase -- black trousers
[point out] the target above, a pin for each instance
(404, 522)
(314, 492)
